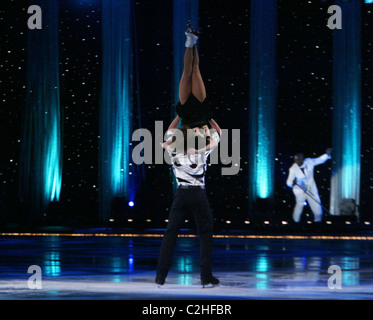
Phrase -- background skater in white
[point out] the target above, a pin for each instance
(302, 181)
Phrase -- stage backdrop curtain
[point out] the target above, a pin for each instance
(116, 106)
(345, 182)
(263, 99)
(42, 124)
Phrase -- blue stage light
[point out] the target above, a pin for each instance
(116, 103)
(345, 182)
(263, 95)
(131, 204)
(41, 154)
(131, 262)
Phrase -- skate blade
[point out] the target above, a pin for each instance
(208, 286)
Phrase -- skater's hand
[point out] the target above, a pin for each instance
(329, 151)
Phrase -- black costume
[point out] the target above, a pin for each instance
(188, 199)
(193, 112)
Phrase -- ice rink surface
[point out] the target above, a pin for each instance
(113, 268)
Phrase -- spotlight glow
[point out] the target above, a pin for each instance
(131, 204)
(116, 103)
(347, 108)
(263, 95)
(41, 152)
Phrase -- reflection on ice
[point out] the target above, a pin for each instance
(52, 264)
(103, 268)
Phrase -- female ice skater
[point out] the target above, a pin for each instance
(189, 166)
(192, 107)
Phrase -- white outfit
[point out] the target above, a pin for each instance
(306, 182)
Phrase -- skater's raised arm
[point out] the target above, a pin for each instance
(325, 157)
(215, 126)
(173, 125)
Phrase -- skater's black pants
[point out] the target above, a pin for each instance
(187, 201)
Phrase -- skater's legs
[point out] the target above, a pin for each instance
(298, 209)
(176, 218)
(204, 222)
(185, 87)
(198, 86)
(315, 203)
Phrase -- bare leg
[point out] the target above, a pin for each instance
(198, 86)
(185, 87)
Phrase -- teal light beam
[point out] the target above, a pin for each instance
(345, 181)
(41, 145)
(263, 96)
(116, 104)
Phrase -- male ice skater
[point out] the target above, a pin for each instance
(189, 165)
(304, 186)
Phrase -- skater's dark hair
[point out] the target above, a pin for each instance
(189, 135)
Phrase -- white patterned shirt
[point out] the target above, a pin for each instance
(190, 169)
